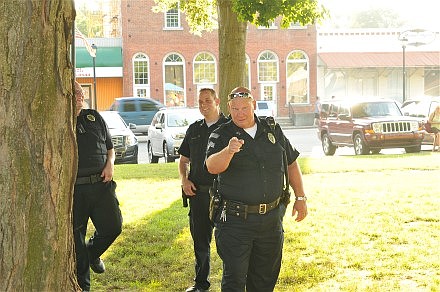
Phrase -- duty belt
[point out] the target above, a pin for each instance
(94, 178)
(239, 208)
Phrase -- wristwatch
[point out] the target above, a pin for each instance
(302, 198)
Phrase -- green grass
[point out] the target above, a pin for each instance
(373, 225)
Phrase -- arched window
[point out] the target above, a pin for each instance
(297, 78)
(205, 71)
(174, 87)
(141, 80)
(267, 67)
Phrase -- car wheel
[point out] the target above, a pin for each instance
(415, 149)
(135, 159)
(359, 146)
(151, 157)
(166, 154)
(327, 146)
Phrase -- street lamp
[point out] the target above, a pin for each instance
(95, 48)
(404, 41)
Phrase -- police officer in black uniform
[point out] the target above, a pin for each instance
(94, 193)
(196, 182)
(247, 154)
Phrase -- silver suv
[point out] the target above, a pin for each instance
(167, 130)
(367, 125)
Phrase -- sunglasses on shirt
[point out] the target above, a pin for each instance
(239, 94)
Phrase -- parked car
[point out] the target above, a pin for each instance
(137, 110)
(124, 141)
(367, 124)
(421, 108)
(167, 130)
(264, 108)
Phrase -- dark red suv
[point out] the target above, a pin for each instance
(367, 124)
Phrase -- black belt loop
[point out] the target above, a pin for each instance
(94, 178)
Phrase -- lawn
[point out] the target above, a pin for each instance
(373, 225)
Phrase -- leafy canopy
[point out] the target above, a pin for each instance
(201, 15)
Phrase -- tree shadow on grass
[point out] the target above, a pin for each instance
(154, 253)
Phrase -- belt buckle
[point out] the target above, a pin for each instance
(262, 209)
(94, 179)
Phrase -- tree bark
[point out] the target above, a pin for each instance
(232, 47)
(37, 147)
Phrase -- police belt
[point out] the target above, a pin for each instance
(84, 180)
(237, 208)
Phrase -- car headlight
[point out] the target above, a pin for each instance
(377, 127)
(178, 136)
(130, 140)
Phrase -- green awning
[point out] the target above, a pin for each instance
(105, 57)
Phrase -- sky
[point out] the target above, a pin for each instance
(422, 14)
(416, 13)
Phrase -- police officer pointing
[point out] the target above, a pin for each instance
(247, 154)
(94, 193)
(196, 182)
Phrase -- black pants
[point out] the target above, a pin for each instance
(201, 232)
(99, 203)
(251, 251)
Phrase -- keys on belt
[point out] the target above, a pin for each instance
(84, 180)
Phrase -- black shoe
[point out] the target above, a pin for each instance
(97, 266)
(195, 288)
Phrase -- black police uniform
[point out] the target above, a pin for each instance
(93, 198)
(249, 243)
(193, 147)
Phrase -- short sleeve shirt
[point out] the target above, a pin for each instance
(94, 140)
(255, 175)
(194, 147)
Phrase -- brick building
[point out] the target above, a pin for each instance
(164, 61)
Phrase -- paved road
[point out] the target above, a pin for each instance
(304, 139)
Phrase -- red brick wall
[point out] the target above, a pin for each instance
(143, 32)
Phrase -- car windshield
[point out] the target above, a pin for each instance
(375, 109)
(114, 121)
(181, 119)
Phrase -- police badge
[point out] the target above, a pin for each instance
(91, 118)
(271, 138)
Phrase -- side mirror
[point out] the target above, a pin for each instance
(132, 126)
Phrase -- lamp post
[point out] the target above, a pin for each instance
(95, 48)
(404, 41)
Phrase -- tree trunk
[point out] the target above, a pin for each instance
(232, 47)
(37, 147)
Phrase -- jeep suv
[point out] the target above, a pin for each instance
(367, 124)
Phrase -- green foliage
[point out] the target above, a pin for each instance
(201, 15)
(261, 13)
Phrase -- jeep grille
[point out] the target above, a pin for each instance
(395, 127)
(118, 141)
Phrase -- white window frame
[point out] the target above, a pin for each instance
(268, 57)
(306, 62)
(170, 16)
(208, 61)
(141, 57)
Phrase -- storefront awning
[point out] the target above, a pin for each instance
(386, 59)
(105, 57)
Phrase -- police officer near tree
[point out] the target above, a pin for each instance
(196, 182)
(247, 154)
(94, 193)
